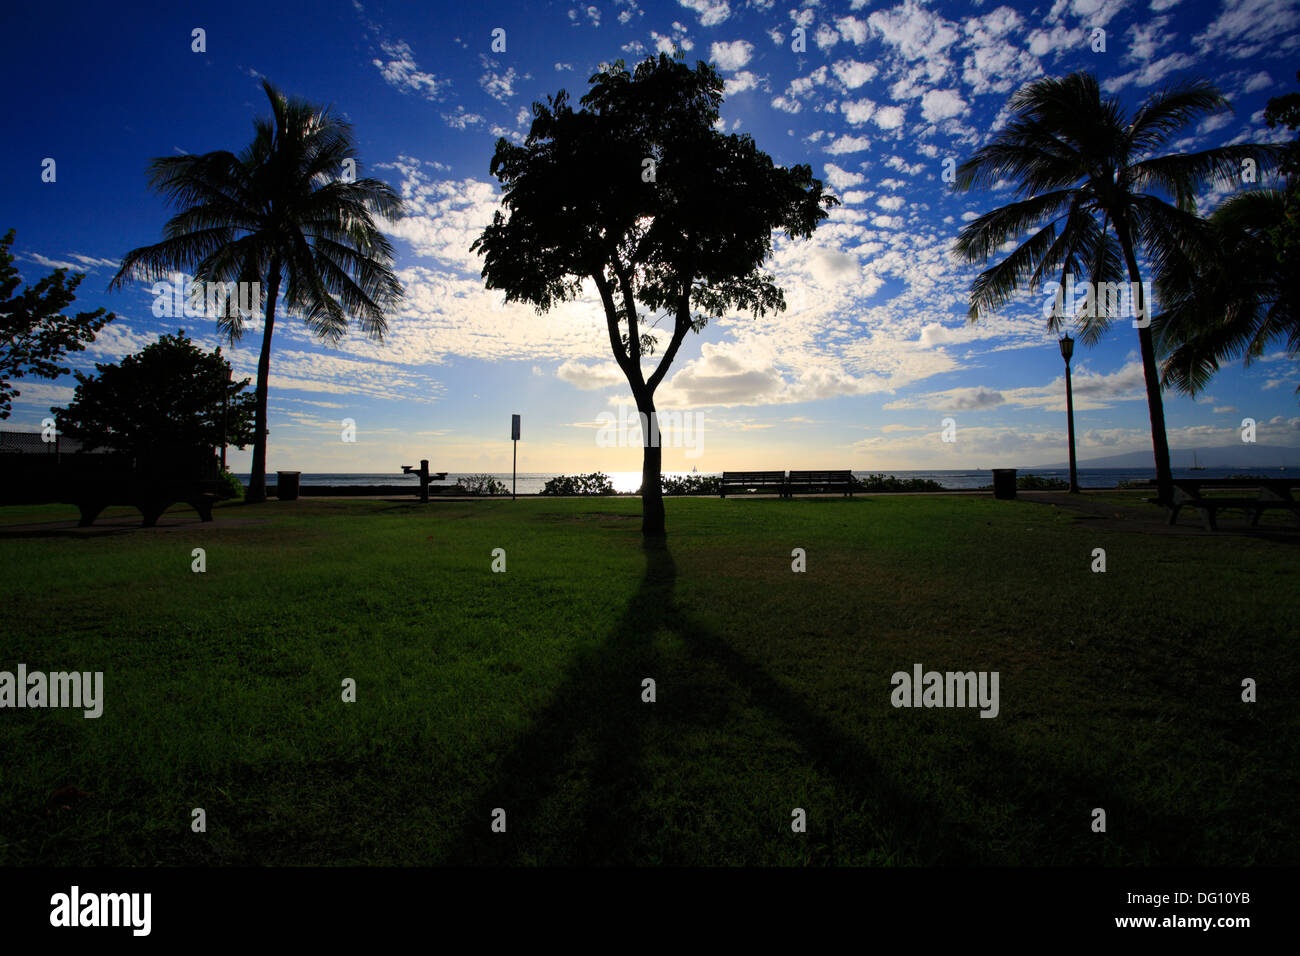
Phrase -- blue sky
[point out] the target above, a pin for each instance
(874, 351)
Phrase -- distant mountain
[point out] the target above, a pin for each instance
(1229, 456)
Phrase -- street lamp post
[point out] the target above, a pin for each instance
(225, 418)
(1067, 350)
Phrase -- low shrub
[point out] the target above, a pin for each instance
(481, 485)
(689, 484)
(1037, 483)
(597, 483)
(1034, 483)
(884, 483)
(231, 487)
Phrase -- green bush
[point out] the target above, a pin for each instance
(689, 484)
(231, 487)
(481, 485)
(883, 483)
(597, 483)
(1035, 483)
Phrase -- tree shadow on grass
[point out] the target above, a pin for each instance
(573, 785)
(583, 748)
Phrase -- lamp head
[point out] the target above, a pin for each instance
(1067, 347)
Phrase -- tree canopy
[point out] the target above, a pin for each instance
(35, 334)
(168, 395)
(639, 192)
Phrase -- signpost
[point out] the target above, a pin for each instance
(514, 467)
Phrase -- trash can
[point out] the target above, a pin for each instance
(286, 485)
(1004, 484)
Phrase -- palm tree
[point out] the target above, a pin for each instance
(1084, 169)
(288, 211)
(1234, 302)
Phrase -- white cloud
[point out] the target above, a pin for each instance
(826, 36)
(1149, 74)
(857, 112)
(676, 40)
(461, 119)
(499, 86)
(840, 179)
(853, 74)
(890, 117)
(710, 12)
(1245, 28)
(590, 376)
(937, 105)
(401, 72)
(852, 29)
(848, 144)
(740, 82)
(731, 56)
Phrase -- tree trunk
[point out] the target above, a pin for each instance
(652, 489)
(1151, 372)
(257, 479)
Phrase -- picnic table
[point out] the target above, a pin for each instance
(1268, 493)
(150, 483)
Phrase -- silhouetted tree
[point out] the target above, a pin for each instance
(35, 335)
(1084, 170)
(1241, 294)
(288, 209)
(638, 192)
(169, 395)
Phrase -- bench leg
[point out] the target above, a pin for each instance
(203, 506)
(1210, 524)
(89, 512)
(1173, 513)
(151, 511)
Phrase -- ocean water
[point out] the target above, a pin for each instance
(629, 481)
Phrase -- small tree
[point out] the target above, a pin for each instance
(168, 395)
(35, 335)
(638, 192)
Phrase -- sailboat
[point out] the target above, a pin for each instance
(1195, 465)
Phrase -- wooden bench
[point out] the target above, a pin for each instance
(1269, 493)
(812, 482)
(757, 481)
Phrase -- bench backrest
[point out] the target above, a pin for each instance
(761, 476)
(1193, 485)
(821, 476)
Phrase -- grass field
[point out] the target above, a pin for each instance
(522, 690)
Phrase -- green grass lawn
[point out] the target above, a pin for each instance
(522, 690)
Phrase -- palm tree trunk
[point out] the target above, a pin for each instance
(1155, 405)
(257, 479)
(652, 490)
